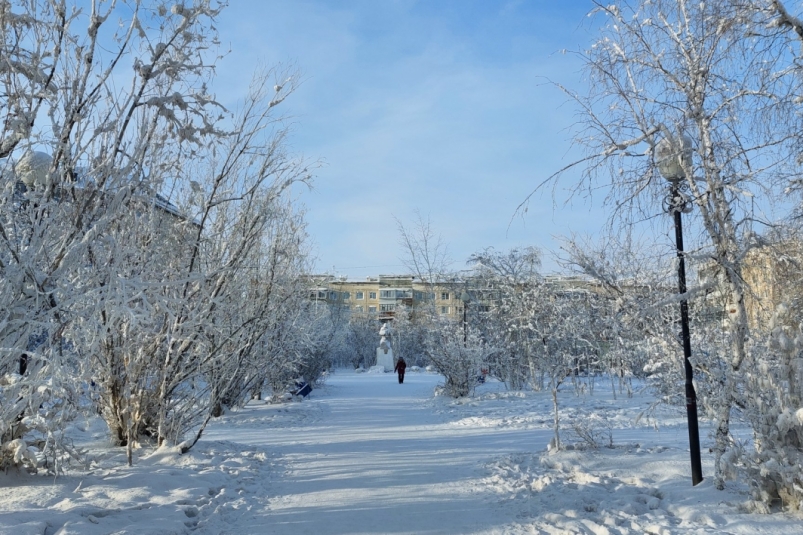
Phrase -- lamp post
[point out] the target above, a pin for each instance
(465, 298)
(673, 156)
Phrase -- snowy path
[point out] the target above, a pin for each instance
(373, 456)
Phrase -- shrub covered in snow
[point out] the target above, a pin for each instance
(459, 355)
(152, 261)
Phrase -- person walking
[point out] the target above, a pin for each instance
(400, 367)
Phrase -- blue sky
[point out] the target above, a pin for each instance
(440, 106)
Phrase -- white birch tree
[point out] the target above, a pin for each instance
(722, 75)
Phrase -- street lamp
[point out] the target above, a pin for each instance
(32, 169)
(465, 298)
(673, 156)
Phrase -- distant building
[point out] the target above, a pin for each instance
(381, 296)
(773, 275)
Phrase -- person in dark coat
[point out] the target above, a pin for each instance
(400, 367)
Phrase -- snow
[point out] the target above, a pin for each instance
(364, 454)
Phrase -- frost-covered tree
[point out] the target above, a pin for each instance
(429, 334)
(425, 254)
(325, 338)
(362, 339)
(307, 345)
(636, 314)
(459, 354)
(510, 287)
(718, 78)
(409, 334)
(85, 138)
(147, 235)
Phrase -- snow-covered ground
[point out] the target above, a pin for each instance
(365, 455)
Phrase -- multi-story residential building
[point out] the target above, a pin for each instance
(772, 274)
(383, 295)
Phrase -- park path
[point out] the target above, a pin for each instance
(365, 455)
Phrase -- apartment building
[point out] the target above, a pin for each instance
(383, 295)
(772, 275)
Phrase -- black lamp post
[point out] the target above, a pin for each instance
(465, 298)
(672, 156)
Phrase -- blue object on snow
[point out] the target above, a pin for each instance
(303, 389)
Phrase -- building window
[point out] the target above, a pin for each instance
(372, 309)
(359, 295)
(358, 308)
(333, 296)
(387, 294)
(371, 295)
(387, 308)
(445, 310)
(444, 296)
(346, 295)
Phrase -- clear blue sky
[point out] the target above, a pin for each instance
(440, 106)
